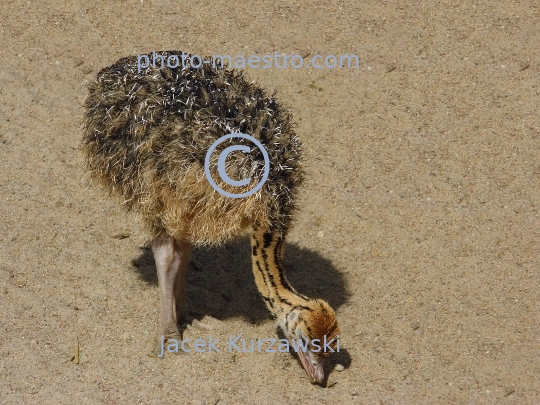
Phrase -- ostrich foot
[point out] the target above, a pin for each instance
(170, 335)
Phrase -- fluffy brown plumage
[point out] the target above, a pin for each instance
(146, 136)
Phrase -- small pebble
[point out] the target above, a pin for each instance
(390, 67)
(354, 393)
(339, 367)
(509, 391)
(121, 235)
(78, 61)
(320, 234)
(524, 65)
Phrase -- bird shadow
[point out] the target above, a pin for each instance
(220, 281)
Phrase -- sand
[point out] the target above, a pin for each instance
(419, 220)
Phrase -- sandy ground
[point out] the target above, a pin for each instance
(419, 219)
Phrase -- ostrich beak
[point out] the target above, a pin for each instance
(313, 365)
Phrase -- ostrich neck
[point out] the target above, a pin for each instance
(267, 256)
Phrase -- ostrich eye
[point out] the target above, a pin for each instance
(292, 318)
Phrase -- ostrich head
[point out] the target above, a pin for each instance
(315, 324)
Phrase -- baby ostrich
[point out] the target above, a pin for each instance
(147, 133)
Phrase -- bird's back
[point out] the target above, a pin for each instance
(146, 138)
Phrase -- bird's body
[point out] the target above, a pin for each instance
(146, 138)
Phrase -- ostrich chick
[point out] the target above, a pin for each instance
(146, 135)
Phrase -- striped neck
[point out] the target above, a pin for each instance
(267, 257)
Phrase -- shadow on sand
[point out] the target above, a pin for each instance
(220, 282)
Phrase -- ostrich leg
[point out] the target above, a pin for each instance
(171, 258)
(183, 251)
